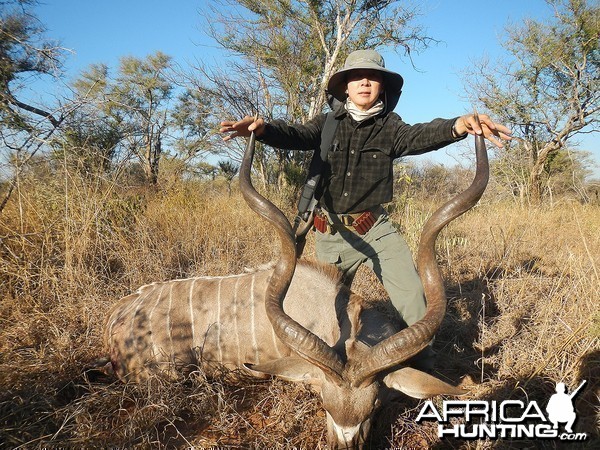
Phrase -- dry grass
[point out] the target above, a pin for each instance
(523, 289)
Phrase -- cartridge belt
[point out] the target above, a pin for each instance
(359, 223)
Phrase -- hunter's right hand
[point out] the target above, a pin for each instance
(243, 127)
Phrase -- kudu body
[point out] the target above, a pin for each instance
(295, 320)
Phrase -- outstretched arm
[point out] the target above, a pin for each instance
(277, 133)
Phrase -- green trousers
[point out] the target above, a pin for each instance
(384, 250)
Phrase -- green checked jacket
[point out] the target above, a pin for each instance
(358, 174)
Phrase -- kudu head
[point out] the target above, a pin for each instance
(349, 379)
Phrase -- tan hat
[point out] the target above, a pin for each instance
(366, 59)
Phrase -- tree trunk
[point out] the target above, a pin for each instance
(535, 186)
(538, 162)
(151, 161)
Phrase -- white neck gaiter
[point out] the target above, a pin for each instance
(359, 115)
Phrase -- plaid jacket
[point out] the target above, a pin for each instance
(358, 174)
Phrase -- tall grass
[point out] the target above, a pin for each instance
(523, 288)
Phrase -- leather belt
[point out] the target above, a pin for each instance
(359, 223)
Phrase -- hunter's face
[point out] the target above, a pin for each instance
(364, 87)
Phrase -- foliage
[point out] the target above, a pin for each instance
(564, 174)
(194, 124)
(228, 170)
(136, 101)
(565, 177)
(24, 52)
(88, 143)
(549, 91)
(25, 55)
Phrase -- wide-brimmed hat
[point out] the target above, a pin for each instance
(365, 59)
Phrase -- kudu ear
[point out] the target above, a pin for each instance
(417, 384)
(290, 369)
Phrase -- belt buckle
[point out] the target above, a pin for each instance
(347, 219)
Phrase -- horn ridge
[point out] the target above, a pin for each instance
(410, 341)
(308, 345)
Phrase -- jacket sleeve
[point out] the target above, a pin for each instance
(307, 136)
(424, 137)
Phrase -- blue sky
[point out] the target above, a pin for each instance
(103, 31)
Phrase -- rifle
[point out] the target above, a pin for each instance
(308, 201)
(574, 393)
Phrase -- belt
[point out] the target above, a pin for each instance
(359, 223)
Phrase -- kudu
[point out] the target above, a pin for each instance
(295, 320)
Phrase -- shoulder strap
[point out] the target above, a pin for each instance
(316, 164)
(327, 134)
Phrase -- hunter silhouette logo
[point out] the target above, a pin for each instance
(511, 419)
(560, 407)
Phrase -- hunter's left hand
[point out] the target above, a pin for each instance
(490, 130)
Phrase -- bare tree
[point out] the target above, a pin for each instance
(548, 91)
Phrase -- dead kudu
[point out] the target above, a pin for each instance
(295, 320)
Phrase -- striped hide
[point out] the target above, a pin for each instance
(173, 326)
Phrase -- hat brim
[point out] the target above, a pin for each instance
(393, 81)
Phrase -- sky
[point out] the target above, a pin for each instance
(104, 31)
